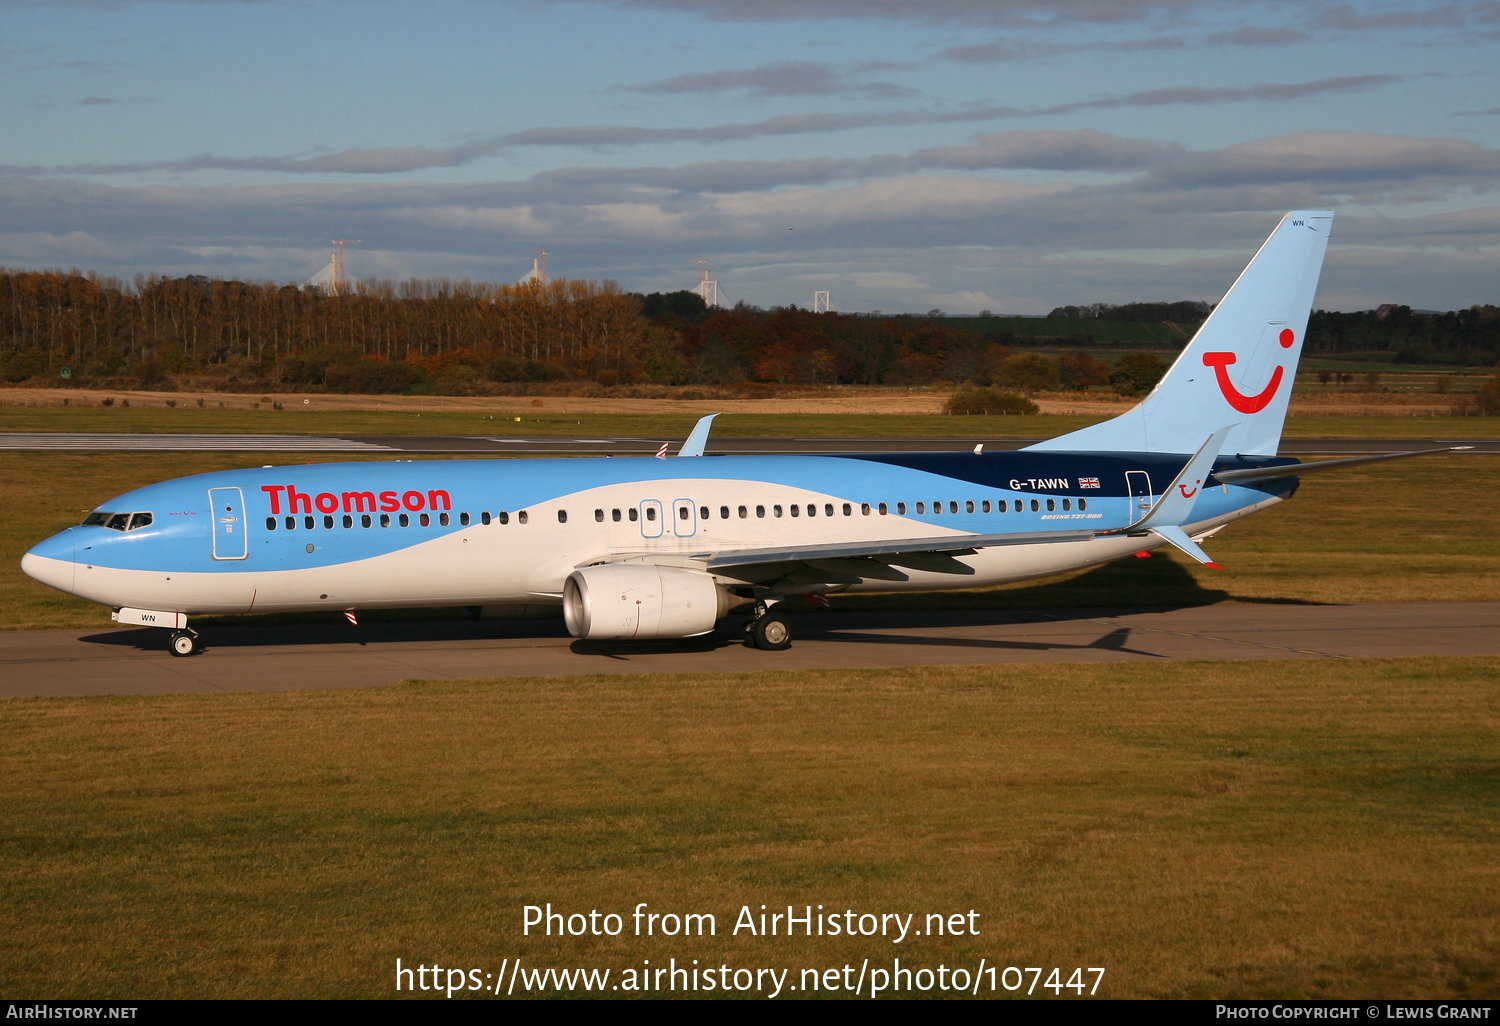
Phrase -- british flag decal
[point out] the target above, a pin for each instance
(1088, 482)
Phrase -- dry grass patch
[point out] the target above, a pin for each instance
(1227, 829)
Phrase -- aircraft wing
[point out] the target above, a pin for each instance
(846, 562)
(1300, 469)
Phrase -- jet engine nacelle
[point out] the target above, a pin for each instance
(638, 600)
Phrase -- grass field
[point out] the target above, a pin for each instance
(1259, 829)
(729, 425)
(1419, 530)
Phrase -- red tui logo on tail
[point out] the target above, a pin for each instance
(1247, 403)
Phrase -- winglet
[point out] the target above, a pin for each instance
(699, 438)
(1177, 501)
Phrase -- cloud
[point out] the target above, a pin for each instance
(1250, 35)
(788, 78)
(1165, 222)
(1346, 17)
(1026, 12)
(1264, 92)
(95, 101)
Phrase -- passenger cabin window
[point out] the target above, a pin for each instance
(985, 505)
(328, 523)
(864, 509)
(385, 520)
(403, 519)
(1083, 504)
(952, 507)
(760, 511)
(633, 515)
(969, 506)
(562, 516)
(724, 512)
(901, 508)
(921, 507)
(650, 512)
(1035, 505)
(503, 517)
(348, 520)
(1051, 505)
(463, 519)
(599, 516)
(270, 523)
(883, 510)
(1000, 506)
(743, 512)
(443, 519)
(937, 507)
(521, 517)
(682, 512)
(364, 520)
(484, 518)
(291, 523)
(1067, 505)
(796, 510)
(776, 511)
(614, 515)
(848, 510)
(703, 513)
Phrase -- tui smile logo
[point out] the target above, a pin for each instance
(1247, 403)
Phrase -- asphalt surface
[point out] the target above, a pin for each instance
(435, 444)
(322, 657)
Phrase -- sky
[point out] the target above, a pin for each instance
(904, 155)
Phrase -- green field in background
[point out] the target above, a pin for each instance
(1416, 530)
(1262, 829)
(160, 420)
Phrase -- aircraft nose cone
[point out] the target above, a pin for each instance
(51, 562)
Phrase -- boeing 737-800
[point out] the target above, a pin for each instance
(648, 548)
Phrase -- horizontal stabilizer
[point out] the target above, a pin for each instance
(1178, 537)
(1176, 503)
(1300, 469)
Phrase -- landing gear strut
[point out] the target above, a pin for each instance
(184, 643)
(767, 630)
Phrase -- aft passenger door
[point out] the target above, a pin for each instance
(227, 512)
(1138, 484)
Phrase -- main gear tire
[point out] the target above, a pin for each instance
(770, 633)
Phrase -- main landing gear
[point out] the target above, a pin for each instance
(184, 643)
(767, 630)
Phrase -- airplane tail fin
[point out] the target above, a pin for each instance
(1238, 367)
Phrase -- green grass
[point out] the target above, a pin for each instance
(1418, 530)
(1224, 830)
(160, 420)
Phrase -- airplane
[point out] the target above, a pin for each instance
(649, 548)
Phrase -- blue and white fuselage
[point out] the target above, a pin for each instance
(663, 547)
(509, 532)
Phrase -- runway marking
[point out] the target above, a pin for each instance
(52, 442)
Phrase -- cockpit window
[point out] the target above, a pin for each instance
(117, 521)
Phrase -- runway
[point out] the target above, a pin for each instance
(322, 657)
(485, 445)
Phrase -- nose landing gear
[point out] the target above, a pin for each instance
(768, 631)
(184, 643)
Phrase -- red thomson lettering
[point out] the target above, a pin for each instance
(331, 504)
(297, 502)
(274, 491)
(359, 502)
(412, 500)
(388, 502)
(433, 497)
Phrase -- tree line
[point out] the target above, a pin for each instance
(382, 336)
